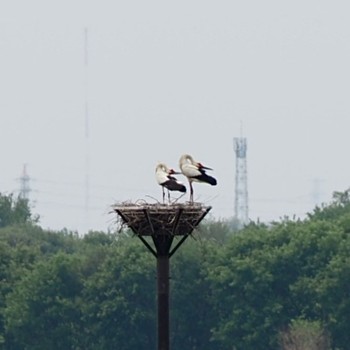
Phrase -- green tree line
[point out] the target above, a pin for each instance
(259, 288)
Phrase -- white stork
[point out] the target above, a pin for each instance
(195, 172)
(165, 179)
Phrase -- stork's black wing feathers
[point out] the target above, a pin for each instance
(206, 178)
(173, 185)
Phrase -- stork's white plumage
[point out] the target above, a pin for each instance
(195, 172)
(166, 180)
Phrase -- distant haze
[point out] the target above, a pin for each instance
(167, 78)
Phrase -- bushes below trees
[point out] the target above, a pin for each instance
(258, 288)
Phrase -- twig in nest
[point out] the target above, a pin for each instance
(156, 200)
(175, 201)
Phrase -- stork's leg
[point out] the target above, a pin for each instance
(191, 193)
(169, 196)
(163, 193)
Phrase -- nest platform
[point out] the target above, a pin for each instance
(161, 219)
(162, 224)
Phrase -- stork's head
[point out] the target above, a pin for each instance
(186, 158)
(162, 167)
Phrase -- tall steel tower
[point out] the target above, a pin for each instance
(241, 183)
(87, 141)
(24, 183)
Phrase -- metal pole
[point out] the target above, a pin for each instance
(163, 301)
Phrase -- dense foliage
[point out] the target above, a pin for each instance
(229, 289)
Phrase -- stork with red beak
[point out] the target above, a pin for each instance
(166, 180)
(195, 172)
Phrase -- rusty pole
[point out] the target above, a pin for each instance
(163, 301)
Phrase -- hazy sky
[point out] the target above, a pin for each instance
(167, 78)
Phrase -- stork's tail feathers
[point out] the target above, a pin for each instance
(212, 181)
(207, 179)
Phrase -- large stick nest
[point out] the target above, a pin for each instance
(160, 219)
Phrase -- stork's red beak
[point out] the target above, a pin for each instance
(204, 167)
(173, 172)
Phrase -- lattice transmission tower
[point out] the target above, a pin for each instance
(87, 132)
(24, 184)
(241, 180)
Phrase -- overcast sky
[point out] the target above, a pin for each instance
(166, 78)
